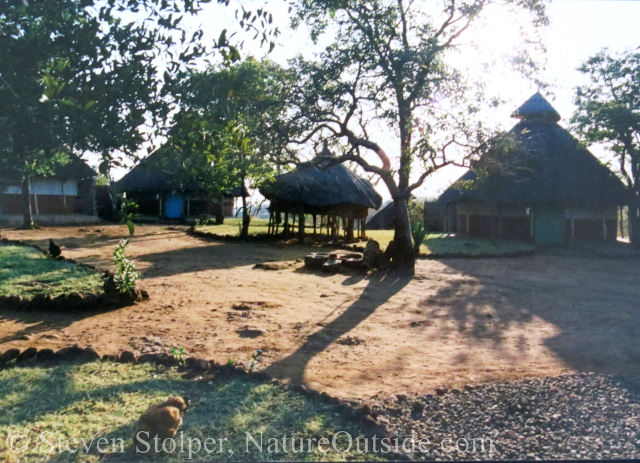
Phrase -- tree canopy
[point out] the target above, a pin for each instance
(609, 113)
(386, 65)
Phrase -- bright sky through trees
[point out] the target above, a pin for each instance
(578, 30)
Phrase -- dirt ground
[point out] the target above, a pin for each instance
(454, 322)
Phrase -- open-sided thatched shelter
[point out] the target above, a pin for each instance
(569, 196)
(334, 194)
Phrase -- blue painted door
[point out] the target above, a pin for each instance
(173, 206)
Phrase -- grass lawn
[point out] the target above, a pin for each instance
(24, 271)
(436, 243)
(104, 399)
(231, 226)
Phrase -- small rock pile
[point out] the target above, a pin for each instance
(572, 416)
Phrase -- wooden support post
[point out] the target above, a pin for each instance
(301, 225)
(285, 228)
(314, 224)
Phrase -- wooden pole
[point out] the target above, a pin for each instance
(286, 225)
(314, 224)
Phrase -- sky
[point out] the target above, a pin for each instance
(577, 30)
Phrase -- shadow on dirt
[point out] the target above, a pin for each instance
(381, 288)
(591, 303)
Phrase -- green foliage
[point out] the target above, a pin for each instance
(231, 362)
(419, 234)
(177, 353)
(82, 76)
(608, 114)
(388, 63)
(127, 209)
(125, 275)
(255, 358)
(25, 272)
(79, 401)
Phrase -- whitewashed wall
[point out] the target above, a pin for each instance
(46, 187)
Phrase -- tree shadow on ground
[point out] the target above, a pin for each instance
(39, 322)
(591, 304)
(381, 287)
(217, 256)
(100, 400)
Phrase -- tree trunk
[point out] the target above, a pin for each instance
(634, 225)
(245, 218)
(27, 221)
(349, 230)
(402, 255)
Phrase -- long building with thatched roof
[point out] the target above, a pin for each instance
(335, 194)
(569, 196)
(67, 196)
(159, 187)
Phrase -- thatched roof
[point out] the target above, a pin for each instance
(158, 172)
(310, 186)
(565, 172)
(382, 220)
(75, 169)
(536, 107)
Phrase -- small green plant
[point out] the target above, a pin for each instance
(127, 208)
(231, 362)
(255, 358)
(202, 220)
(125, 275)
(419, 233)
(177, 353)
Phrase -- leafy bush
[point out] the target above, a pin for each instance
(177, 353)
(127, 208)
(419, 233)
(126, 275)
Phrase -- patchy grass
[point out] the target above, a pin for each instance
(24, 271)
(231, 226)
(437, 243)
(104, 399)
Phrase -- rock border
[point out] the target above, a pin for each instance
(71, 302)
(193, 367)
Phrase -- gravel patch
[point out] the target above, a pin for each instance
(570, 417)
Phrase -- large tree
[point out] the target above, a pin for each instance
(609, 113)
(89, 75)
(238, 109)
(387, 65)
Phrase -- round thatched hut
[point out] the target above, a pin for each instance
(570, 196)
(335, 196)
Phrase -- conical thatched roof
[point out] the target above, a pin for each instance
(382, 220)
(158, 172)
(536, 107)
(565, 172)
(155, 173)
(308, 185)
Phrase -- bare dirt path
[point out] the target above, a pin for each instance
(454, 322)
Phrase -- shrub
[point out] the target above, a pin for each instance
(126, 275)
(419, 233)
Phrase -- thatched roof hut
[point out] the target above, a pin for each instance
(160, 188)
(333, 192)
(569, 187)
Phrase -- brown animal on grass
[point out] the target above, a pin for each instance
(160, 420)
